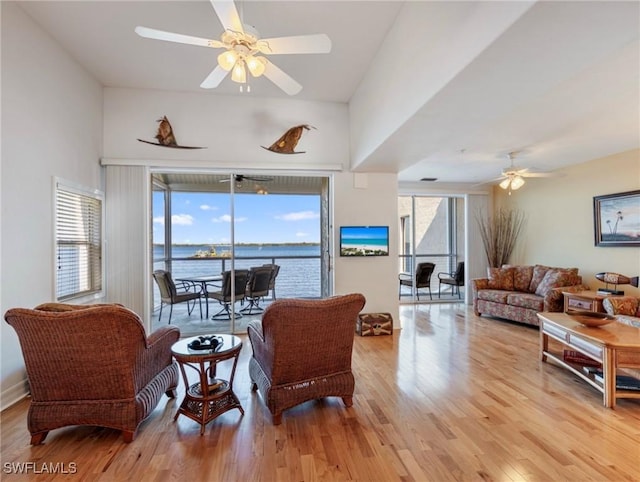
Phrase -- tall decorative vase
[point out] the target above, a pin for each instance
(499, 234)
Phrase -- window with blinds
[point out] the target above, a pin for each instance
(78, 219)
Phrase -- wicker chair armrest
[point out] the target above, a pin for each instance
(261, 351)
(155, 355)
(164, 334)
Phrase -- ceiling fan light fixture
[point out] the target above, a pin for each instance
(505, 183)
(239, 73)
(256, 65)
(517, 182)
(227, 59)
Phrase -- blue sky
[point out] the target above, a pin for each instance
(204, 218)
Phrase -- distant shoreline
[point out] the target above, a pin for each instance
(240, 244)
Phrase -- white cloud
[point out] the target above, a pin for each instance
(182, 219)
(226, 218)
(302, 235)
(206, 207)
(299, 216)
(158, 220)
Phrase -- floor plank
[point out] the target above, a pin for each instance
(449, 397)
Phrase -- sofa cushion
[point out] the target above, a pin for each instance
(622, 305)
(526, 300)
(537, 276)
(628, 320)
(501, 278)
(497, 296)
(556, 278)
(522, 278)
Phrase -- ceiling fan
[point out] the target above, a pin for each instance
(238, 178)
(244, 49)
(512, 178)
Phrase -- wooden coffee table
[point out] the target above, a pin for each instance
(614, 345)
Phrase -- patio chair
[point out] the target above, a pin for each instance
(302, 351)
(455, 279)
(422, 279)
(274, 275)
(257, 288)
(170, 295)
(223, 295)
(92, 365)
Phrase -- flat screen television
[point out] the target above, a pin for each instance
(364, 240)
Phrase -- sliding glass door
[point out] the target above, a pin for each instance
(207, 224)
(431, 230)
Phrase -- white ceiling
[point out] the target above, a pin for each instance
(560, 86)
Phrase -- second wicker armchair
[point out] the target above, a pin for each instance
(302, 351)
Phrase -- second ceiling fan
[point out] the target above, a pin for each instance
(512, 178)
(245, 50)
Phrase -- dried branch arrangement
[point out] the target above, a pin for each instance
(499, 234)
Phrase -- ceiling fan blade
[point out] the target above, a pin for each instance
(301, 44)
(537, 174)
(228, 15)
(214, 78)
(152, 33)
(281, 79)
(490, 181)
(258, 179)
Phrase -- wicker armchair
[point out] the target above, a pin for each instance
(92, 365)
(302, 351)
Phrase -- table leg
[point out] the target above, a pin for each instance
(544, 343)
(609, 378)
(205, 293)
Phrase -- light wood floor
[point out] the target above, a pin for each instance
(449, 397)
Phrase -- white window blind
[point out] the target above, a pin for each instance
(78, 242)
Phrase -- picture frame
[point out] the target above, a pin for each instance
(616, 219)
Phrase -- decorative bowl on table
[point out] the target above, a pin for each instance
(590, 318)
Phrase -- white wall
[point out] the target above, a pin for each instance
(233, 129)
(51, 126)
(559, 229)
(368, 200)
(396, 86)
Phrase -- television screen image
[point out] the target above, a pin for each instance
(364, 241)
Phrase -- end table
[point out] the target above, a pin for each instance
(583, 300)
(209, 397)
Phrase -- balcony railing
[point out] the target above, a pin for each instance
(299, 276)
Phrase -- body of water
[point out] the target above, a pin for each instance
(299, 275)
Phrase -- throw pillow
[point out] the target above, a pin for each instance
(62, 307)
(556, 278)
(501, 278)
(522, 276)
(538, 274)
(622, 305)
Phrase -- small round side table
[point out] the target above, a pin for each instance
(210, 396)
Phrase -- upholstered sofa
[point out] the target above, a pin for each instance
(517, 293)
(626, 309)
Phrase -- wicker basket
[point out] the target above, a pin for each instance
(372, 324)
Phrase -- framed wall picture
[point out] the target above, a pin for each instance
(616, 219)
